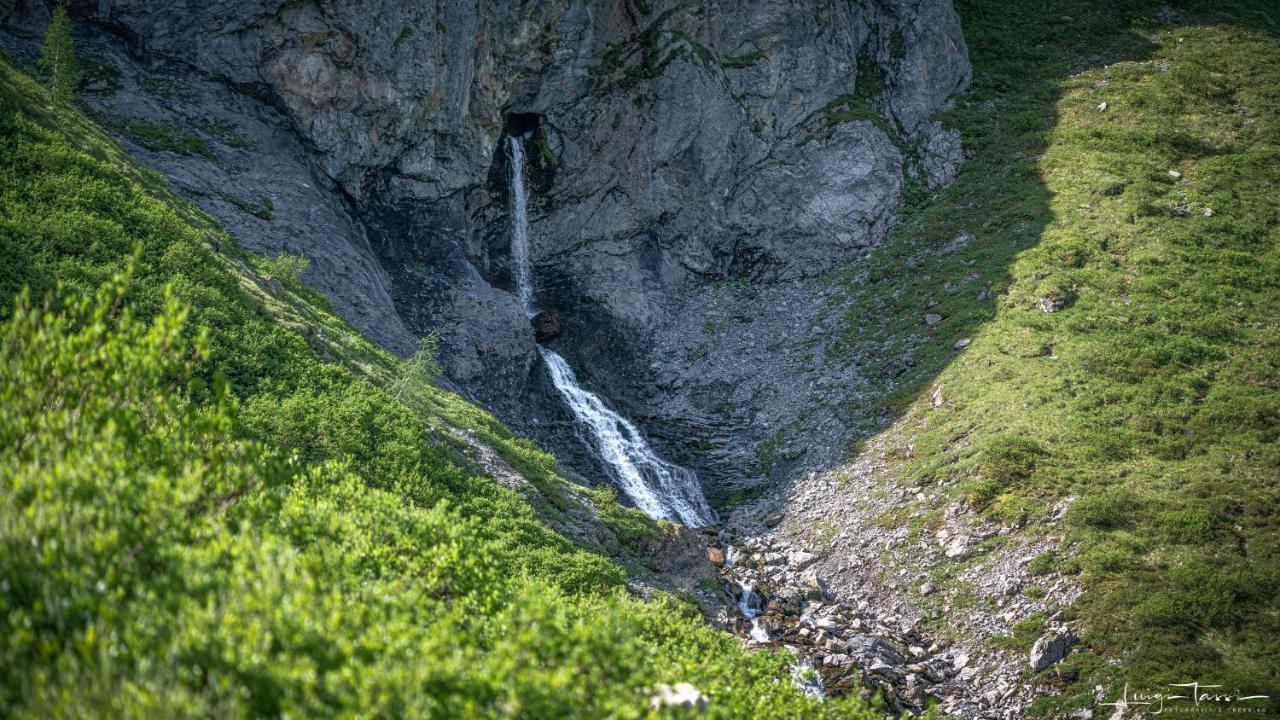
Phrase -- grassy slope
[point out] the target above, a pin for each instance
(211, 508)
(1154, 395)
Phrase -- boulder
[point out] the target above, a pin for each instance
(680, 695)
(958, 548)
(1051, 304)
(801, 559)
(1051, 648)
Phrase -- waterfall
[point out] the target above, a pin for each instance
(661, 489)
(520, 225)
(751, 611)
(805, 676)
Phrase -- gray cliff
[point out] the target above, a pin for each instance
(693, 165)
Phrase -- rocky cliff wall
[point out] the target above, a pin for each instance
(674, 146)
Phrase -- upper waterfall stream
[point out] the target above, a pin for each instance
(661, 489)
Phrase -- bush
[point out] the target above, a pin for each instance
(1010, 458)
(286, 268)
(199, 518)
(417, 374)
(1112, 508)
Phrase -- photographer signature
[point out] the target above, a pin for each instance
(1155, 703)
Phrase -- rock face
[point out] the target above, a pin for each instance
(671, 146)
(1051, 648)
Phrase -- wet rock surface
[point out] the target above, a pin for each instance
(672, 146)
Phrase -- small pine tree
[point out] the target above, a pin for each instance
(58, 57)
(417, 373)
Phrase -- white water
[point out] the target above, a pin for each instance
(806, 677)
(752, 613)
(520, 225)
(661, 489)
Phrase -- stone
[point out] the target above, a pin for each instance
(958, 548)
(681, 695)
(1051, 304)
(1102, 106)
(801, 559)
(814, 587)
(941, 153)
(875, 648)
(962, 343)
(1175, 174)
(1051, 648)
(836, 660)
(926, 589)
(546, 326)
(932, 319)
(772, 519)
(715, 555)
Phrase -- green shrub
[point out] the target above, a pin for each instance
(200, 518)
(285, 267)
(414, 382)
(1011, 458)
(161, 137)
(1043, 564)
(1111, 508)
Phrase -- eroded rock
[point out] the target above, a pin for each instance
(1051, 648)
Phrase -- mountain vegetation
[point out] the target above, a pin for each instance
(218, 498)
(215, 505)
(1105, 271)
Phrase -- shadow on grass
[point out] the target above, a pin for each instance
(1172, 402)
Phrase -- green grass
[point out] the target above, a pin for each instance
(261, 209)
(161, 137)
(213, 507)
(1153, 392)
(745, 60)
(227, 134)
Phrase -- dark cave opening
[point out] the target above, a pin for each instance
(521, 124)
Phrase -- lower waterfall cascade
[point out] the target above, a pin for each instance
(661, 489)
